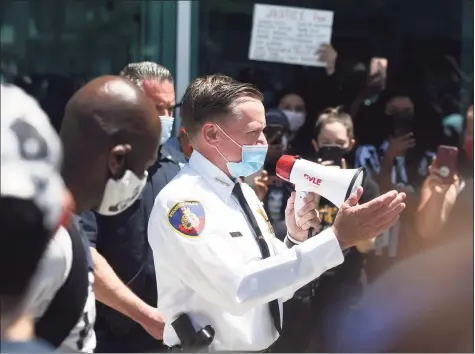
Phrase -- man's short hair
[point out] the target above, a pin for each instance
(146, 70)
(211, 98)
(332, 115)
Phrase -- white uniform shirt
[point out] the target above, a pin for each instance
(209, 266)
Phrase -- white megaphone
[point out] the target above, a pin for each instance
(333, 184)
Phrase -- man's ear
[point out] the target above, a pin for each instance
(315, 145)
(116, 160)
(209, 132)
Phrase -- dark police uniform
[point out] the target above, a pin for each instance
(122, 241)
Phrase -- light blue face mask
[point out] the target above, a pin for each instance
(167, 126)
(252, 159)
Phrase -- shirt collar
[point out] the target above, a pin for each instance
(217, 179)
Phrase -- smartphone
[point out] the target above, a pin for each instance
(378, 65)
(447, 162)
(273, 134)
(331, 153)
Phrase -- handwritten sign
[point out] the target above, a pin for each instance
(289, 35)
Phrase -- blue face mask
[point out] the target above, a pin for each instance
(252, 159)
(167, 126)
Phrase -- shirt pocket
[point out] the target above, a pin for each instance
(242, 241)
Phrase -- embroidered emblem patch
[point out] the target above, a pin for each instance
(188, 218)
(262, 213)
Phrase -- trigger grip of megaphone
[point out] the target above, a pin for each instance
(299, 202)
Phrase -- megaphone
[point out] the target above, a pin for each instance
(334, 184)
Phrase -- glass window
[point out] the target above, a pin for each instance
(52, 47)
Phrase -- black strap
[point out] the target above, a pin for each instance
(67, 306)
(274, 304)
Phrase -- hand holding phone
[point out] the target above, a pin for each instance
(399, 145)
(446, 163)
(378, 66)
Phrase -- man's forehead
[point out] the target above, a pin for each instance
(159, 89)
(252, 115)
(292, 99)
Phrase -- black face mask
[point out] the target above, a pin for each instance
(341, 152)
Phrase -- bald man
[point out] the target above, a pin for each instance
(110, 137)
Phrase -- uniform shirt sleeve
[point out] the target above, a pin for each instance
(88, 222)
(280, 247)
(212, 268)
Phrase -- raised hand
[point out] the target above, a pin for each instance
(355, 223)
(399, 145)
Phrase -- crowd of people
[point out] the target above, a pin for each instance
(99, 250)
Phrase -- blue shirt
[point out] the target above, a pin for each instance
(31, 346)
(122, 241)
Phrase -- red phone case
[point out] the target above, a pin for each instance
(447, 162)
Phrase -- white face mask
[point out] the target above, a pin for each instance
(296, 119)
(167, 126)
(121, 193)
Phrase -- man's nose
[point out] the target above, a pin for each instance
(262, 139)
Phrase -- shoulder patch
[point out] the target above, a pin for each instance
(188, 218)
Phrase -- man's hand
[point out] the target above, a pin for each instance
(355, 223)
(308, 217)
(261, 182)
(328, 54)
(153, 323)
(398, 146)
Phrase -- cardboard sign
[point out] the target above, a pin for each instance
(289, 35)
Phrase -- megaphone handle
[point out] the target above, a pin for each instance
(299, 203)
